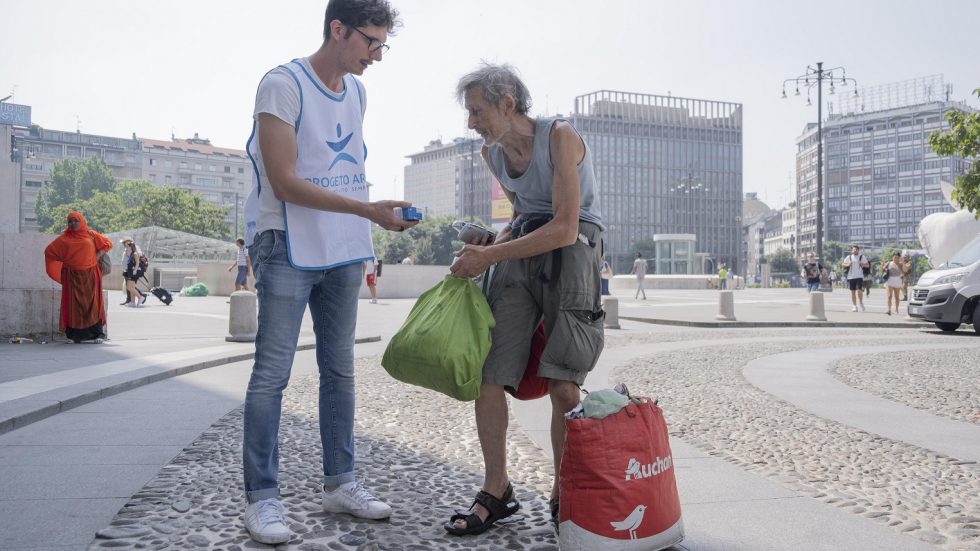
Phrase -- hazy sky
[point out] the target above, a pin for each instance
(192, 66)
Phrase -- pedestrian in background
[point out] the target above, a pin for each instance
(854, 266)
(244, 265)
(606, 273)
(134, 269)
(906, 275)
(722, 277)
(640, 270)
(371, 278)
(893, 284)
(72, 260)
(812, 270)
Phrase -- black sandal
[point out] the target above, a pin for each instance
(499, 509)
(553, 505)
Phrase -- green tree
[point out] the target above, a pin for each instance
(71, 181)
(782, 261)
(136, 204)
(181, 210)
(131, 192)
(431, 241)
(834, 252)
(963, 139)
(104, 212)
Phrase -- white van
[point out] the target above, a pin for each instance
(950, 294)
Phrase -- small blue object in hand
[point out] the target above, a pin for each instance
(411, 214)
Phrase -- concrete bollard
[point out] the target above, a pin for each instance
(726, 306)
(611, 306)
(243, 322)
(189, 281)
(817, 312)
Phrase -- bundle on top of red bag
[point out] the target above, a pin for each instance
(617, 484)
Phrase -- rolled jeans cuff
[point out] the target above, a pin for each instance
(259, 495)
(337, 480)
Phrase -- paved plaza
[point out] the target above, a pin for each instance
(863, 433)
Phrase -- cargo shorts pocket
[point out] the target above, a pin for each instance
(576, 340)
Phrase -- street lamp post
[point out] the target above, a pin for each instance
(809, 79)
(738, 246)
(687, 187)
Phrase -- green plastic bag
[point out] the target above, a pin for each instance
(445, 340)
(196, 290)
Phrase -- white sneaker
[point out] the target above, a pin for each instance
(854, 309)
(862, 307)
(265, 523)
(374, 301)
(353, 499)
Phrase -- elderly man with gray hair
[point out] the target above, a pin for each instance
(547, 262)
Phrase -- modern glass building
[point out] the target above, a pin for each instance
(881, 177)
(665, 165)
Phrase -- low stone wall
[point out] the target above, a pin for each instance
(401, 281)
(701, 281)
(30, 301)
(219, 280)
(396, 281)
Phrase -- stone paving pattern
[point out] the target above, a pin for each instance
(418, 450)
(937, 381)
(709, 404)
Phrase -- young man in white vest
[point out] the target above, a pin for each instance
(547, 268)
(308, 222)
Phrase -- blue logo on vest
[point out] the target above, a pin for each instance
(339, 146)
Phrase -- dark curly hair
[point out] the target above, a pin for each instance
(357, 13)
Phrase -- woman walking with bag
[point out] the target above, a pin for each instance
(72, 260)
(134, 271)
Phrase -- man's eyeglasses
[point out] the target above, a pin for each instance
(373, 43)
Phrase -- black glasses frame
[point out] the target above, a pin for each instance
(372, 47)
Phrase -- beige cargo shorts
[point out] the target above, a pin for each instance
(567, 297)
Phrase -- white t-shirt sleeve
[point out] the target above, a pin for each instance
(278, 95)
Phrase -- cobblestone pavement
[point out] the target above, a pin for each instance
(943, 382)
(710, 405)
(418, 451)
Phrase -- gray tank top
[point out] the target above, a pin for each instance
(532, 190)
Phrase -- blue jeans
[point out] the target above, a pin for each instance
(811, 287)
(283, 295)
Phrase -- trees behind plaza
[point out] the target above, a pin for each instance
(87, 186)
(432, 241)
(963, 139)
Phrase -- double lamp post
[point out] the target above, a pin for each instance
(815, 77)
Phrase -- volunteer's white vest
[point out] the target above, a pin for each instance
(330, 154)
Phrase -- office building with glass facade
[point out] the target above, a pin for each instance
(665, 165)
(881, 177)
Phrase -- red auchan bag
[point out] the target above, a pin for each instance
(617, 485)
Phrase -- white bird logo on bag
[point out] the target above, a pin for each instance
(633, 469)
(631, 522)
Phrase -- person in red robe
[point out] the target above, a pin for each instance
(72, 260)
